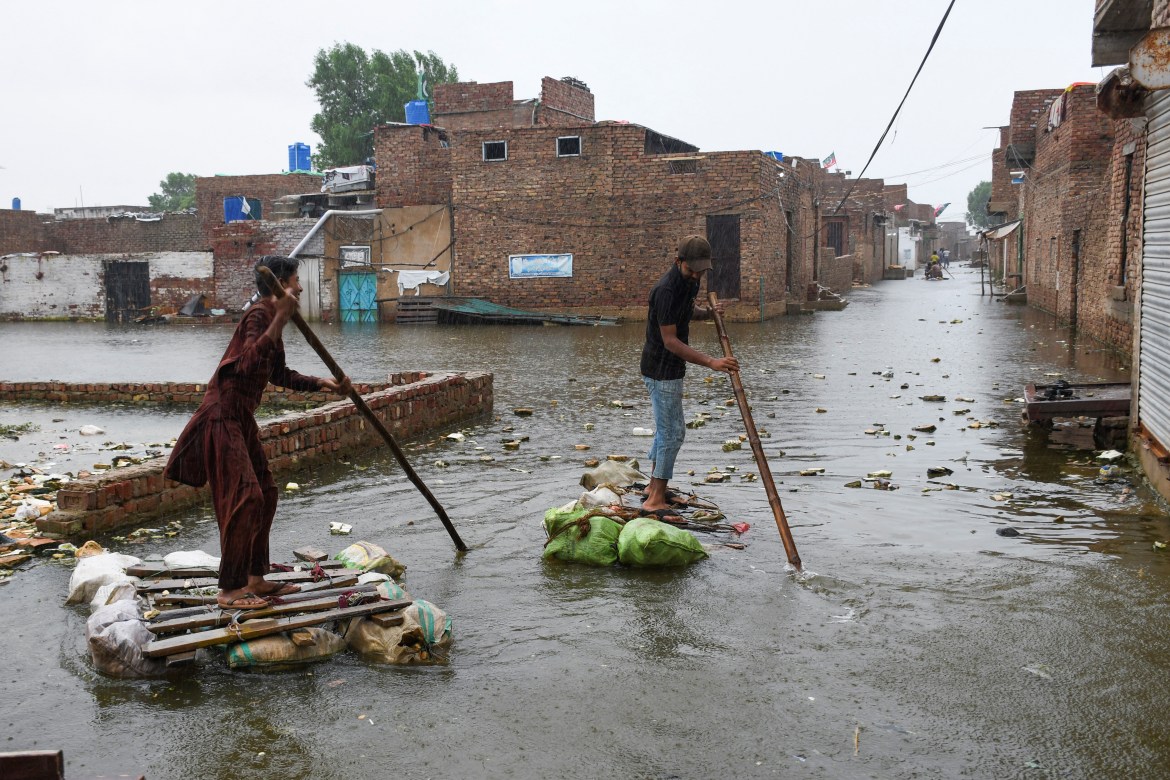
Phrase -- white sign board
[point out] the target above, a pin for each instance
(540, 266)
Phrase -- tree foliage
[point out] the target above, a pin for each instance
(176, 193)
(358, 91)
(977, 199)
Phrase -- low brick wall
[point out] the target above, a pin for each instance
(161, 393)
(135, 494)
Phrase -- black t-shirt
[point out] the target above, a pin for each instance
(672, 302)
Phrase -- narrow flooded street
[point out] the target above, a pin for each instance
(917, 643)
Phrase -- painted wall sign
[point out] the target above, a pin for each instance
(540, 266)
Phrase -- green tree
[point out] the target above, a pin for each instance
(176, 193)
(977, 199)
(357, 91)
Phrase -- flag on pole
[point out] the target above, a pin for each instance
(245, 208)
(940, 209)
(829, 161)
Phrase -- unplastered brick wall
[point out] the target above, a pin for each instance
(1112, 246)
(619, 211)
(1064, 198)
(24, 231)
(172, 233)
(414, 165)
(294, 441)
(468, 105)
(564, 104)
(834, 272)
(164, 393)
(237, 245)
(1005, 199)
(74, 286)
(210, 192)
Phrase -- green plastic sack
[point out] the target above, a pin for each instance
(648, 542)
(598, 545)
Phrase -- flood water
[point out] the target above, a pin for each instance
(918, 643)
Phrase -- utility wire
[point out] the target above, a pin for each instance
(894, 118)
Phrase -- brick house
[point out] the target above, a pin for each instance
(543, 178)
(1073, 168)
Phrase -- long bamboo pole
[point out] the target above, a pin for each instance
(754, 440)
(367, 412)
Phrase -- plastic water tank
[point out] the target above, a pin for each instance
(16, 204)
(298, 157)
(417, 113)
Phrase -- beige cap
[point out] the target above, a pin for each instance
(695, 252)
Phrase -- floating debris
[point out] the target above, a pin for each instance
(814, 472)
(523, 411)
(938, 471)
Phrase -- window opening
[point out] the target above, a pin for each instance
(495, 150)
(569, 146)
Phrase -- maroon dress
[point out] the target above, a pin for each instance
(221, 445)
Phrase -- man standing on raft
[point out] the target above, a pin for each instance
(664, 358)
(221, 444)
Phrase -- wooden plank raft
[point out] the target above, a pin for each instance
(254, 629)
(154, 586)
(201, 604)
(153, 569)
(201, 617)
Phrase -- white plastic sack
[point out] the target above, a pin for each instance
(611, 472)
(124, 589)
(191, 559)
(116, 637)
(599, 496)
(93, 572)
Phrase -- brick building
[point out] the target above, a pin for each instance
(1074, 188)
(615, 196)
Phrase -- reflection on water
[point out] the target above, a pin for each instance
(918, 627)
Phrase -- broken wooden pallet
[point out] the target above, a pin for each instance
(254, 629)
(154, 586)
(217, 616)
(192, 600)
(154, 569)
(310, 590)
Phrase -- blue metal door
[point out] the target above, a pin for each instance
(357, 292)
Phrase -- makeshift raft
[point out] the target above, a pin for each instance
(151, 617)
(1066, 399)
(606, 525)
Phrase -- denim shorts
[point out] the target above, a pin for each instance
(669, 425)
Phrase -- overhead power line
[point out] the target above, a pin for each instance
(922, 64)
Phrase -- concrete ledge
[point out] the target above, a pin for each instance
(133, 494)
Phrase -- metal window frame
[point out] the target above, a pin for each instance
(483, 150)
(565, 138)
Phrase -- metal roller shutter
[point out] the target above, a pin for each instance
(1154, 365)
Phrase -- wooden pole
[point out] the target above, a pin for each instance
(367, 412)
(754, 440)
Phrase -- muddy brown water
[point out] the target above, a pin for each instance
(917, 643)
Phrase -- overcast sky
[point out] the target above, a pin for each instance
(101, 100)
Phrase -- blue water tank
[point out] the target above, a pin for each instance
(417, 113)
(16, 204)
(298, 157)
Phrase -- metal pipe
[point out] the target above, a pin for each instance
(321, 221)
